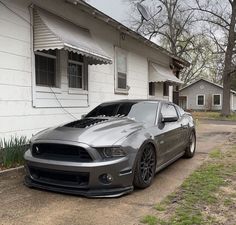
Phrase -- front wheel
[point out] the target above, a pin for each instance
(145, 167)
(190, 150)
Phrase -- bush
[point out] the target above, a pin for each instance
(12, 151)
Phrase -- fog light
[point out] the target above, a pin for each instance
(106, 178)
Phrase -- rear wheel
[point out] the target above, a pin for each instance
(145, 167)
(190, 150)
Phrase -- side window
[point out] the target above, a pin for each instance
(168, 110)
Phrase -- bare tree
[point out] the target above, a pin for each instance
(175, 29)
(222, 16)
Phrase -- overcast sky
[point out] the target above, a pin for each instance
(116, 9)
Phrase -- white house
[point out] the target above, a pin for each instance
(59, 59)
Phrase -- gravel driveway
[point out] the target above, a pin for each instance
(22, 206)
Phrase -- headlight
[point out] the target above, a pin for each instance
(112, 152)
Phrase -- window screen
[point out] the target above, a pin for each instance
(151, 88)
(75, 70)
(45, 68)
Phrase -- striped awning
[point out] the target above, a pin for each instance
(54, 32)
(159, 73)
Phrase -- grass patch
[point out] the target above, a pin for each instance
(213, 115)
(150, 220)
(12, 151)
(200, 192)
(159, 207)
(215, 154)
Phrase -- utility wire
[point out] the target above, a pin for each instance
(62, 106)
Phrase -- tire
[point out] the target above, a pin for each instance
(191, 148)
(145, 167)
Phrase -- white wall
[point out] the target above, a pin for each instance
(17, 114)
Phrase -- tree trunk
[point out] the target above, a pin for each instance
(226, 109)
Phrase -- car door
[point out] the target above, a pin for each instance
(169, 139)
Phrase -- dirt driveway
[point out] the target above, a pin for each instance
(20, 205)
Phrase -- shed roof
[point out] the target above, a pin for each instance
(205, 80)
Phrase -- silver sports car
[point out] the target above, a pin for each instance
(114, 148)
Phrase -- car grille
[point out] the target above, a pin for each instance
(56, 177)
(60, 152)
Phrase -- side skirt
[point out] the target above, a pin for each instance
(169, 162)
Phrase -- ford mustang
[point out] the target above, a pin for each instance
(117, 146)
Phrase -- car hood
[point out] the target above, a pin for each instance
(96, 132)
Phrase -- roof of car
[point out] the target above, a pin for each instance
(134, 100)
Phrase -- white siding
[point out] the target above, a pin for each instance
(25, 111)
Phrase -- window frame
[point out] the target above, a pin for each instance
(203, 99)
(213, 103)
(56, 58)
(83, 73)
(120, 90)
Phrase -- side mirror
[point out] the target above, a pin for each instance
(169, 119)
(83, 116)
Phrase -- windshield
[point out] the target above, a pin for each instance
(139, 111)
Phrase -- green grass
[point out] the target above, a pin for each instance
(150, 220)
(215, 154)
(160, 207)
(213, 115)
(12, 151)
(186, 206)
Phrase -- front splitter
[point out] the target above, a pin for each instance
(101, 193)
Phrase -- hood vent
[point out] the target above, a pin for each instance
(84, 123)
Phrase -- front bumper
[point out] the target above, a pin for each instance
(40, 174)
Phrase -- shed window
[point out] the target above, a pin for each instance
(216, 100)
(45, 66)
(76, 70)
(200, 100)
(121, 70)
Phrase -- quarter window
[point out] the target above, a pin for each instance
(200, 100)
(216, 100)
(121, 69)
(75, 70)
(45, 68)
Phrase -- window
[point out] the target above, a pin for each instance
(75, 70)
(165, 89)
(152, 88)
(216, 100)
(121, 70)
(200, 100)
(139, 111)
(45, 68)
(168, 110)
